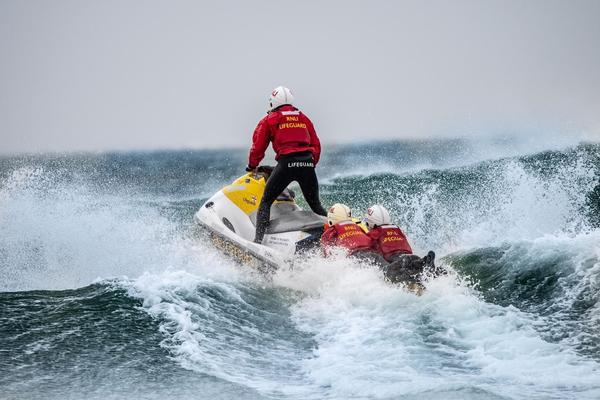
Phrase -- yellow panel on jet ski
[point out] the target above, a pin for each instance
(246, 192)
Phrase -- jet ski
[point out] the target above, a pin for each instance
(229, 217)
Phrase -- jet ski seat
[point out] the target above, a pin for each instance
(295, 221)
(287, 217)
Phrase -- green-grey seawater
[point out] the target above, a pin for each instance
(108, 291)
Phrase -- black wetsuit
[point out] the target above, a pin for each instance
(297, 167)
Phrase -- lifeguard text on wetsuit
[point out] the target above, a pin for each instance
(292, 122)
(392, 236)
(350, 230)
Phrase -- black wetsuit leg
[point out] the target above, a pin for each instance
(310, 190)
(276, 183)
(291, 167)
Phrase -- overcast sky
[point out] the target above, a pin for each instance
(120, 74)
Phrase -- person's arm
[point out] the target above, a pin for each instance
(315, 143)
(327, 239)
(407, 247)
(374, 235)
(260, 142)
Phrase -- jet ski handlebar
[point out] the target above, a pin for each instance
(263, 170)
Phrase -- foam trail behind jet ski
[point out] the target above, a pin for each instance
(445, 342)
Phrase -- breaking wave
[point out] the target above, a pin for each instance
(102, 276)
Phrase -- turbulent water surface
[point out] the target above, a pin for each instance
(107, 291)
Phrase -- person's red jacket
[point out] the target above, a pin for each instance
(289, 130)
(389, 240)
(347, 235)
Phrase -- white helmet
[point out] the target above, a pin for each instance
(338, 213)
(376, 216)
(280, 96)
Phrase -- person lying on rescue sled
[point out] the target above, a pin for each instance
(388, 239)
(342, 232)
(391, 243)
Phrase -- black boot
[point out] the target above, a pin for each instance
(429, 259)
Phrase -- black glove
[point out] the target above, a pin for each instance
(249, 168)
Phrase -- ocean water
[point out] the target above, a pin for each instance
(107, 291)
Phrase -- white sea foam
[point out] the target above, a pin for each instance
(508, 202)
(372, 339)
(378, 341)
(58, 236)
(213, 326)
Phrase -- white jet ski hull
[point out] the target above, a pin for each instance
(232, 230)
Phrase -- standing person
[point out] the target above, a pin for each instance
(297, 150)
